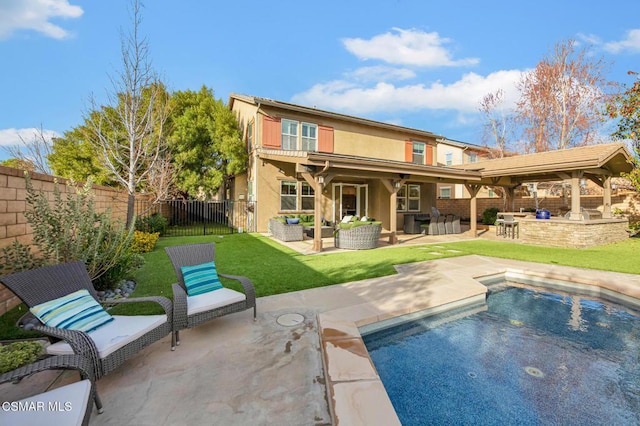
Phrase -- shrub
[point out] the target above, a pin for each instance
(69, 229)
(490, 215)
(18, 257)
(19, 354)
(152, 223)
(144, 242)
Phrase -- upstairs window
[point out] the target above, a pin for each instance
(289, 135)
(473, 157)
(299, 136)
(250, 136)
(449, 158)
(309, 137)
(418, 153)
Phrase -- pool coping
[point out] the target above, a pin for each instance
(355, 391)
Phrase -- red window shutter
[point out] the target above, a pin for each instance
(271, 132)
(325, 139)
(408, 151)
(429, 155)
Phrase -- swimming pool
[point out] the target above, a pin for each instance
(533, 357)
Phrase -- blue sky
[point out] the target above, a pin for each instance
(419, 63)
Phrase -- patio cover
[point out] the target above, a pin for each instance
(593, 161)
(598, 163)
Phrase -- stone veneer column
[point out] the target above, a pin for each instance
(575, 196)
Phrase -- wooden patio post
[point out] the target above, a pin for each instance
(317, 210)
(473, 207)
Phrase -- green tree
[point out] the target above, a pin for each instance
(205, 143)
(626, 108)
(18, 163)
(74, 157)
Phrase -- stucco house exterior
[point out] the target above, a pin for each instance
(363, 166)
(304, 160)
(453, 153)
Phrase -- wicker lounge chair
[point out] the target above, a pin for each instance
(190, 311)
(359, 237)
(108, 346)
(66, 405)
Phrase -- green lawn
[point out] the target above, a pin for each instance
(276, 269)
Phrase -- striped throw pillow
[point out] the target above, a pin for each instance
(75, 311)
(201, 278)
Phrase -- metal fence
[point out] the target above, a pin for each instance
(194, 217)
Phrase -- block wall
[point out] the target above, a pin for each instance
(13, 224)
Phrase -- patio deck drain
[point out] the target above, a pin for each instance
(289, 320)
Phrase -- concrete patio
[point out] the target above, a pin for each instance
(234, 371)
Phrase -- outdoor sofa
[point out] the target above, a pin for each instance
(358, 235)
(284, 231)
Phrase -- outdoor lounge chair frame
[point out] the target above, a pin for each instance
(47, 283)
(361, 237)
(61, 362)
(195, 254)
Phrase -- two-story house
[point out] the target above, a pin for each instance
(306, 160)
(453, 153)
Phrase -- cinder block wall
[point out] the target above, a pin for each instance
(13, 224)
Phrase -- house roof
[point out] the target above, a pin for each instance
(356, 167)
(605, 159)
(328, 114)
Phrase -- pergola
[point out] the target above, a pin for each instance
(598, 163)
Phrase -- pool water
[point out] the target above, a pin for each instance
(532, 358)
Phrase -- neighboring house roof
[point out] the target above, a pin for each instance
(327, 114)
(610, 159)
(463, 145)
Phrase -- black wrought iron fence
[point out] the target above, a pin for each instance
(194, 217)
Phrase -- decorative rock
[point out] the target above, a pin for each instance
(124, 290)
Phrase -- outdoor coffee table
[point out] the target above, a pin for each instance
(326, 231)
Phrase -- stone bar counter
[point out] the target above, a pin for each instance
(561, 232)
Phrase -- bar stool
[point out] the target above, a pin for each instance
(511, 227)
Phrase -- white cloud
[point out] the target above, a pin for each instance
(36, 15)
(380, 72)
(12, 137)
(406, 47)
(631, 43)
(463, 95)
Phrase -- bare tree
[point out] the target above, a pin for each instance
(129, 134)
(562, 99)
(498, 130)
(33, 153)
(498, 123)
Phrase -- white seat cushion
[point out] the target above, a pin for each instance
(212, 300)
(62, 406)
(114, 335)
